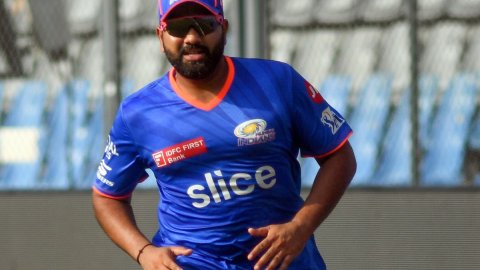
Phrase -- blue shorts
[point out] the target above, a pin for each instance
(309, 259)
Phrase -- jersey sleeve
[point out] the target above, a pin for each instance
(121, 168)
(318, 127)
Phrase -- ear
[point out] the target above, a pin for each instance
(225, 30)
(225, 25)
(160, 37)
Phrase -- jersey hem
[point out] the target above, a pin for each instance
(99, 192)
(331, 151)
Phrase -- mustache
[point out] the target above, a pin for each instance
(189, 49)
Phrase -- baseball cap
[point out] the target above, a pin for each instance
(166, 6)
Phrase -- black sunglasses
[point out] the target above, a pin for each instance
(179, 27)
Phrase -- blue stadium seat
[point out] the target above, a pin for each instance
(465, 9)
(66, 153)
(135, 15)
(2, 90)
(27, 111)
(474, 146)
(336, 91)
(382, 10)
(56, 167)
(443, 161)
(431, 9)
(292, 13)
(395, 163)
(368, 121)
(339, 11)
(128, 87)
(79, 132)
(315, 53)
(474, 138)
(96, 142)
(309, 168)
(83, 16)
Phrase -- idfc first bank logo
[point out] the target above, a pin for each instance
(179, 152)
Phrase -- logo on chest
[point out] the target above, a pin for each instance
(253, 132)
(179, 152)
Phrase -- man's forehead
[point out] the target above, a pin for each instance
(188, 9)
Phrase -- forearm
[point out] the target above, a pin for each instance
(329, 185)
(117, 220)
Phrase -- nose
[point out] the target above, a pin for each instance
(193, 36)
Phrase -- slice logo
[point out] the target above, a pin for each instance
(179, 152)
(332, 120)
(313, 93)
(253, 132)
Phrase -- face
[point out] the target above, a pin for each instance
(194, 56)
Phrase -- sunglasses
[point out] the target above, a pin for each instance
(179, 27)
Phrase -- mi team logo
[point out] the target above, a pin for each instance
(332, 120)
(253, 132)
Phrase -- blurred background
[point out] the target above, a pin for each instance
(404, 73)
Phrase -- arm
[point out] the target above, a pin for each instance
(118, 221)
(283, 242)
(336, 172)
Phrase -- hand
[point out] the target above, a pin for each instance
(281, 244)
(162, 258)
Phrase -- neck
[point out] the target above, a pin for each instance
(207, 88)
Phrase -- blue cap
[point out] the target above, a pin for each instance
(166, 6)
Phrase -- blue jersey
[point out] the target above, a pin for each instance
(223, 166)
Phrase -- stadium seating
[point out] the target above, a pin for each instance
(356, 51)
(292, 13)
(138, 53)
(395, 162)
(56, 167)
(334, 12)
(442, 52)
(472, 51)
(2, 94)
(444, 157)
(94, 146)
(394, 55)
(463, 8)
(283, 45)
(315, 54)
(83, 16)
(431, 9)
(134, 15)
(474, 137)
(25, 117)
(368, 120)
(335, 88)
(357, 56)
(381, 10)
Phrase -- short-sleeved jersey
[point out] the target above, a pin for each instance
(223, 166)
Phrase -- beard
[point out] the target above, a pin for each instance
(196, 70)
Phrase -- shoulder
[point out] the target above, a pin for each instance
(266, 69)
(259, 62)
(146, 93)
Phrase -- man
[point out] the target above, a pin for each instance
(222, 136)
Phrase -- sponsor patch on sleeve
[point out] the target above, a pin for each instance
(313, 93)
(332, 120)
